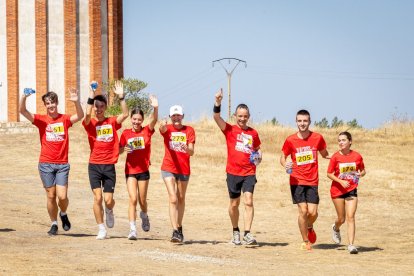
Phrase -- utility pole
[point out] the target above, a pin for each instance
(229, 73)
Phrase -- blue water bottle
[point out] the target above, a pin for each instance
(254, 158)
(94, 85)
(290, 170)
(28, 91)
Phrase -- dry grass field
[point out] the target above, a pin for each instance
(385, 228)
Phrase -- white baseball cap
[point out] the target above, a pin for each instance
(176, 109)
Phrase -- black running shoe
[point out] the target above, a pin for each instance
(65, 222)
(175, 236)
(53, 230)
(180, 234)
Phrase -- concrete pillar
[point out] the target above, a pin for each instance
(27, 51)
(3, 61)
(56, 60)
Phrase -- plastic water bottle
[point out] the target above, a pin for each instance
(28, 91)
(290, 170)
(94, 85)
(254, 158)
(356, 179)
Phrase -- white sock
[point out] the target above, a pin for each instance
(54, 222)
(132, 225)
(63, 213)
(101, 227)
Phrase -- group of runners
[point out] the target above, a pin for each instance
(243, 156)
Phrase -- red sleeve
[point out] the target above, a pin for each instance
(256, 141)
(286, 148)
(117, 126)
(362, 165)
(227, 128)
(68, 122)
(332, 164)
(322, 144)
(122, 139)
(191, 136)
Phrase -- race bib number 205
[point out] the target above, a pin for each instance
(303, 158)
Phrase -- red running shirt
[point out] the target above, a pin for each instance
(345, 167)
(304, 155)
(103, 140)
(54, 138)
(176, 160)
(240, 144)
(137, 161)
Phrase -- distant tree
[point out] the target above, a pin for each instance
(322, 123)
(353, 124)
(274, 121)
(134, 96)
(336, 122)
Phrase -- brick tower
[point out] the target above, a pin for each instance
(51, 45)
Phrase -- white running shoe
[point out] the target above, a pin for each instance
(236, 238)
(110, 220)
(352, 249)
(145, 223)
(132, 235)
(249, 239)
(101, 234)
(336, 235)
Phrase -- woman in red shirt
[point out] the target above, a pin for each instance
(179, 143)
(345, 168)
(136, 141)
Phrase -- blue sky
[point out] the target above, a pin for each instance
(350, 59)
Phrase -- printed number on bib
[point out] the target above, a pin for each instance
(57, 128)
(178, 140)
(104, 132)
(303, 158)
(347, 167)
(137, 143)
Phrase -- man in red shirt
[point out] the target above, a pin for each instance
(179, 143)
(243, 155)
(104, 144)
(303, 148)
(53, 161)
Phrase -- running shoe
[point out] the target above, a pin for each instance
(336, 235)
(101, 234)
(175, 236)
(65, 222)
(306, 246)
(53, 230)
(249, 239)
(145, 223)
(236, 238)
(352, 249)
(180, 231)
(132, 235)
(110, 220)
(311, 235)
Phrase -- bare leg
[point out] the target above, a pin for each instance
(248, 211)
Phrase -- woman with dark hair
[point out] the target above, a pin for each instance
(136, 141)
(345, 168)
